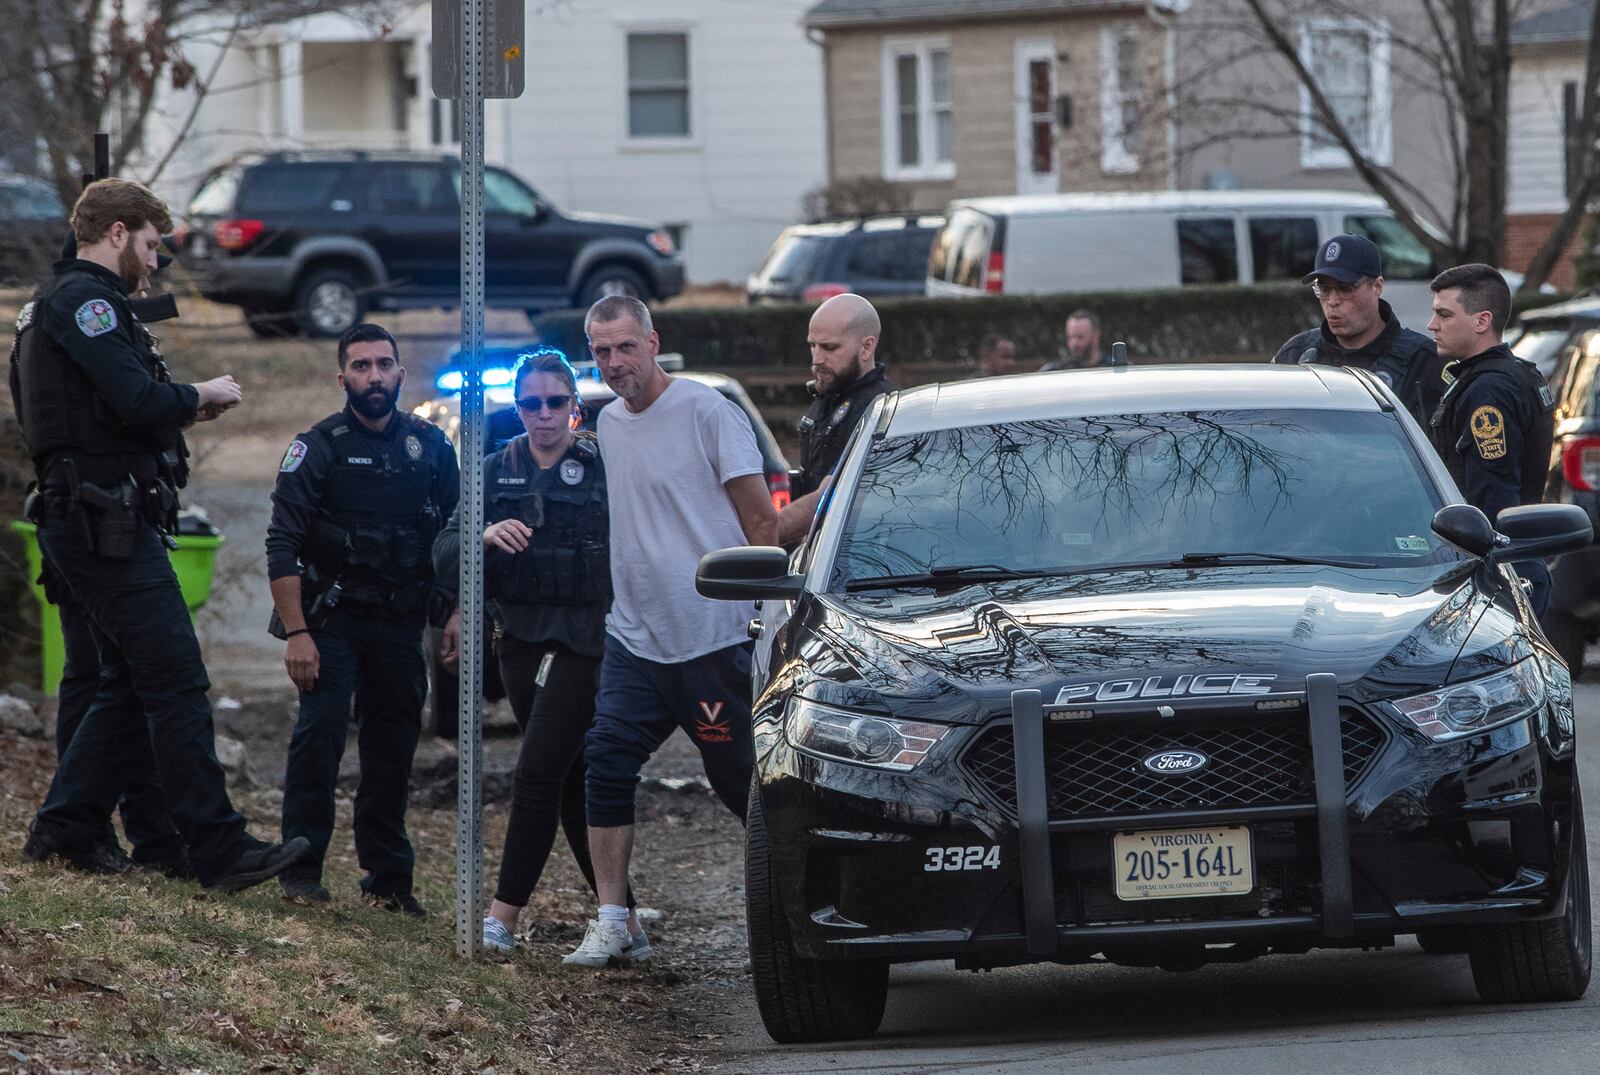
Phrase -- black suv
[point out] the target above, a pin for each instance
(1111, 665)
(877, 257)
(315, 240)
(33, 225)
(1564, 342)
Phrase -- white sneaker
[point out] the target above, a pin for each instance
(605, 944)
(641, 947)
(497, 937)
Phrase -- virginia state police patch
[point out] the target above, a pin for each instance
(96, 318)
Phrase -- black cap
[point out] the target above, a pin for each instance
(1346, 258)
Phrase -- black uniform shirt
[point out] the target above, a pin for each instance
(827, 425)
(581, 628)
(1487, 440)
(304, 472)
(1407, 350)
(87, 316)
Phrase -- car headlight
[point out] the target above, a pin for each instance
(860, 738)
(1476, 705)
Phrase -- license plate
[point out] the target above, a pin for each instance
(1167, 864)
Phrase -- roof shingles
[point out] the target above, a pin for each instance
(842, 13)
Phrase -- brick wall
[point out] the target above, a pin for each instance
(1525, 233)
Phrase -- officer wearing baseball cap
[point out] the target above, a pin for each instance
(1359, 329)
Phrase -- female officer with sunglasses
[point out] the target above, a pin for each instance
(547, 579)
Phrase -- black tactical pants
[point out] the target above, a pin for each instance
(149, 705)
(374, 659)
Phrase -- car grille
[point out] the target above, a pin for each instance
(1098, 771)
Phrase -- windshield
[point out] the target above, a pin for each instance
(1080, 493)
(792, 259)
(1542, 346)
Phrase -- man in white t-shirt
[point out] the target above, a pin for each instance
(684, 477)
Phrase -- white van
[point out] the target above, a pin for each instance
(1053, 243)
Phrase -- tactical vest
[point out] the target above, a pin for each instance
(1537, 437)
(567, 561)
(378, 499)
(60, 411)
(827, 424)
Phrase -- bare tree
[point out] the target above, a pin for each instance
(1455, 53)
(70, 68)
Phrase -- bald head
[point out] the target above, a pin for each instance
(843, 341)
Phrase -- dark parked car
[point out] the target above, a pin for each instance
(315, 240)
(33, 225)
(875, 257)
(502, 424)
(1111, 665)
(1564, 342)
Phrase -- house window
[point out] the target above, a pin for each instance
(1349, 61)
(919, 116)
(658, 85)
(1041, 117)
(1121, 101)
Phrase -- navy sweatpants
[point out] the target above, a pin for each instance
(641, 702)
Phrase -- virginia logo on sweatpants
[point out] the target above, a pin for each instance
(709, 728)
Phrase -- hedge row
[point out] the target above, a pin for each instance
(1178, 325)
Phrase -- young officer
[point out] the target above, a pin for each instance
(360, 498)
(103, 422)
(1494, 426)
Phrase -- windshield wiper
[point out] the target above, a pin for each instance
(961, 574)
(1202, 559)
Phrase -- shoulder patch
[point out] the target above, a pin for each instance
(1489, 432)
(96, 318)
(25, 317)
(293, 457)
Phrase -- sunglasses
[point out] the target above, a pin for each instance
(531, 404)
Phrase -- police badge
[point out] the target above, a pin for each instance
(571, 471)
(413, 447)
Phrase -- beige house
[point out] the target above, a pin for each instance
(958, 98)
(979, 97)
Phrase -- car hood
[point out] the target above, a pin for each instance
(620, 223)
(957, 655)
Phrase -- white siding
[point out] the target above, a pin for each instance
(1537, 168)
(755, 95)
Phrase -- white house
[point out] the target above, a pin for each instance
(705, 116)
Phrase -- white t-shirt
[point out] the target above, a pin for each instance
(665, 470)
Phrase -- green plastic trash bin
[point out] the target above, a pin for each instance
(194, 561)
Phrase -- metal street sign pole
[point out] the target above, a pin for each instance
(469, 805)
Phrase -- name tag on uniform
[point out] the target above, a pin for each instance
(513, 481)
(360, 460)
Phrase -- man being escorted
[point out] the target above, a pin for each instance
(684, 478)
(103, 420)
(360, 498)
(1494, 426)
(846, 378)
(1359, 328)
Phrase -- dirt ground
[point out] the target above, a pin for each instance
(689, 862)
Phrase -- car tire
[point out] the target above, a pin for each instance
(1535, 962)
(329, 302)
(611, 280)
(1570, 636)
(801, 1000)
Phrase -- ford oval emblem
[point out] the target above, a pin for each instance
(1176, 762)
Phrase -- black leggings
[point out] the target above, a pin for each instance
(548, 784)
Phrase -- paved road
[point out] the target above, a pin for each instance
(1396, 1010)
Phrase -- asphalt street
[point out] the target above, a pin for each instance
(1397, 1010)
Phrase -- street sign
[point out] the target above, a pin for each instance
(500, 58)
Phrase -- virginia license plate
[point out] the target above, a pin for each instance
(1165, 864)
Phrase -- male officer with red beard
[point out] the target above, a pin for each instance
(359, 500)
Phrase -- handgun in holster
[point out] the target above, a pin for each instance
(110, 517)
(317, 599)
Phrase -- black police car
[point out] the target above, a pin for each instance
(1164, 666)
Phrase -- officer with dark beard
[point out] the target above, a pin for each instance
(359, 500)
(843, 338)
(103, 421)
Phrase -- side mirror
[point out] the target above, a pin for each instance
(1540, 530)
(747, 573)
(1465, 527)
